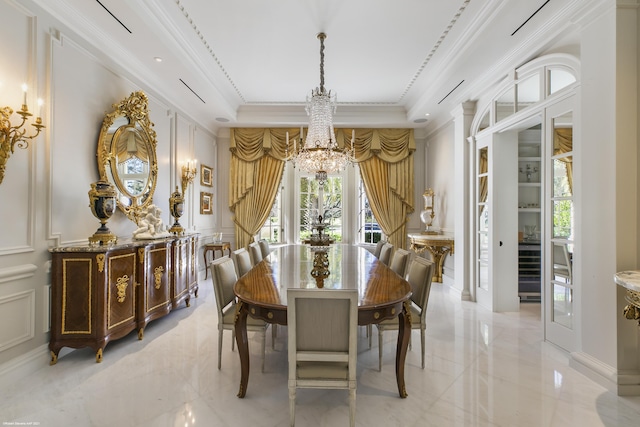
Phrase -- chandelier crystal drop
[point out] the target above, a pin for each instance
(320, 153)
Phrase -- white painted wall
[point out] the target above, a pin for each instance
(44, 196)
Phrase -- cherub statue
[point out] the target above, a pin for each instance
(150, 225)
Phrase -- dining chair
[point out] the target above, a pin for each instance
(376, 252)
(385, 253)
(561, 262)
(242, 261)
(322, 329)
(255, 252)
(400, 261)
(419, 277)
(264, 247)
(224, 277)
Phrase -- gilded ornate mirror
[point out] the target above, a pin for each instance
(127, 154)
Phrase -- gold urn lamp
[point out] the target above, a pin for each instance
(102, 201)
(176, 205)
(427, 215)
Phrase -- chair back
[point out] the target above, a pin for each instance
(561, 261)
(255, 252)
(264, 247)
(385, 253)
(322, 327)
(242, 261)
(381, 243)
(419, 277)
(223, 273)
(400, 261)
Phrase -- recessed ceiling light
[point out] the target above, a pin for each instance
(420, 121)
(427, 114)
(222, 119)
(158, 59)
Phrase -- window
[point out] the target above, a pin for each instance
(272, 229)
(325, 200)
(368, 229)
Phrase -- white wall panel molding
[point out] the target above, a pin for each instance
(20, 177)
(17, 311)
(17, 272)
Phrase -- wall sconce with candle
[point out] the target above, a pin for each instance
(189, 171)
(12, 136)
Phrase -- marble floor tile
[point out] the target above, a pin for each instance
(482, 369)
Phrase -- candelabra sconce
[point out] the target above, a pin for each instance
(528, 170)
(102, 201)
(176, 205)
(12, 136)
(189, 171)
(427, 215)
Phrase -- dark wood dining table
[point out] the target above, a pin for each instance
(262, 292)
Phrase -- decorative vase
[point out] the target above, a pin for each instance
(102, 201)
(176, 205)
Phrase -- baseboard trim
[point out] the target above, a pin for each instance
(625, 383)
(18, 368)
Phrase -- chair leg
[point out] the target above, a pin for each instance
(379, 350)
(219, 347)
(264, 342)
(292, 406)
(274, 334)
(369, 332)
(422, 342)
(233, 338)
(352, 407)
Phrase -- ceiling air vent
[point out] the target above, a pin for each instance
(192, 91)
(529, 18)
(114, 16)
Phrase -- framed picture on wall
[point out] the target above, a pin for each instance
(206, 175)
(206, 202)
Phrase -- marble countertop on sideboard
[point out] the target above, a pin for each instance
(629, 279)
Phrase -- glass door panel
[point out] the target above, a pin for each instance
(560, 288)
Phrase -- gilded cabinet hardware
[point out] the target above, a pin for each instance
(157, 273)
(121, 284)
(100, 261)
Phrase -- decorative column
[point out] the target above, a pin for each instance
(463, 115)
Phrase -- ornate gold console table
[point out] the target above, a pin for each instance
(438, 245)
(630, 280)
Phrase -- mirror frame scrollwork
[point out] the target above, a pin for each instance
(129, 116)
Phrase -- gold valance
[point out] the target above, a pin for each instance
(257, 163)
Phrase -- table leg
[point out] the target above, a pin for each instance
(243, 346)
(404, 334)
(206, 267)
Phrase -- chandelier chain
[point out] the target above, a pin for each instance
(322, 36)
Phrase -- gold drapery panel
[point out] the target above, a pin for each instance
(483, 181)
(385, 157)
(563, 143)
(257, 164)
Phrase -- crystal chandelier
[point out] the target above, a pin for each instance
(320, 153)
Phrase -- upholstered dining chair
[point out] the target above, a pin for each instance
(378, 248)
(385, 253)
(224, 277)
(322, 330)
(419, 277)
(400, 261)
(255, 252)
(264, 247)
(242, 261)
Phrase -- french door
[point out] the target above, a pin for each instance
(561, 293)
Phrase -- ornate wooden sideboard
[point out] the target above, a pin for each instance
(102, 293)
